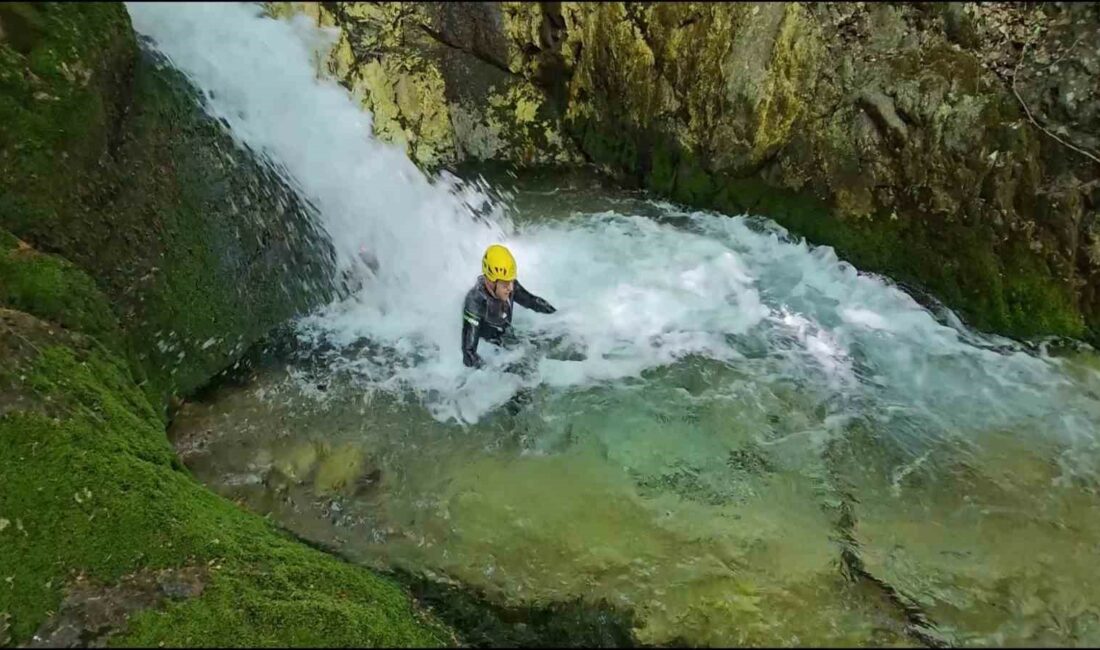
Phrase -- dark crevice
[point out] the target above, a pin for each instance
(482, 623)
(918, 625)
(441, 39)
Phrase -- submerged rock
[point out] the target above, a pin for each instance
(338, 470)
(988, 538)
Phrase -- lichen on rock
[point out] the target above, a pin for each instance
(435, 87)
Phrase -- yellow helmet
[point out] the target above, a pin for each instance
(498, 264)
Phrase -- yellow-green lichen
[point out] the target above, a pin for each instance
(381, 58)
(408, 107)
(521, 23)
(790, 79)
(618, 74)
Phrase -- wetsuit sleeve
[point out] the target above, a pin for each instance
(471, 320)
(525, 298)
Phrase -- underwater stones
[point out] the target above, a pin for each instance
(338, 469)
(750, 458)
(982, 537)
(343, 470)
(296, 461)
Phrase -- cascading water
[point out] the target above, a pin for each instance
(717, 409)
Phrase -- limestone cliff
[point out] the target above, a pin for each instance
(408, 65)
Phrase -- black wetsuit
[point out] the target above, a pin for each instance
(486, 316)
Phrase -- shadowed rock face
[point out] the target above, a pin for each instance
(892, 132)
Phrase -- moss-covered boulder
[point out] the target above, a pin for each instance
(93, 494)
(107, 160)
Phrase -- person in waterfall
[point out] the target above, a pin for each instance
(487, 312)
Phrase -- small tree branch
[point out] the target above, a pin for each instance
(1027, 111)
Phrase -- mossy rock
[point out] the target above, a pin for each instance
(1006, 288)
(110, 162)
(59, 99)
(91, 487)
(52, 289)
(21, 25)
(137, 246)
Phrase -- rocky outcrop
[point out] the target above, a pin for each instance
(950, 146)
(437, 81)
(94, 498)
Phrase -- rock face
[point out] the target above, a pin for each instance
(437, 80)
(107, 161)
(920, 140)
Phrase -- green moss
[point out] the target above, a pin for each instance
(54, 290)
(208, 249)
(195, 256)
(693, 184)
(91, 486)
(662, 170)
(57, 106)
(21, 25)
(7, 240)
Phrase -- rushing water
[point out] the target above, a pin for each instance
(737, 436)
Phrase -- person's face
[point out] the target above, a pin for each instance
(502, 289)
